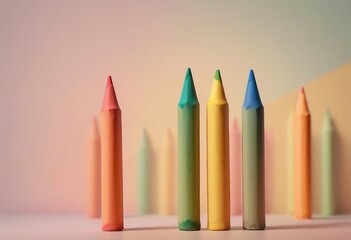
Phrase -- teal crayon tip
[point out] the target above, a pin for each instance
(188, 93)
(188, 72)
(218, 75)
(252, 96)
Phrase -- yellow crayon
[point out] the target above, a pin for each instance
(218, 182)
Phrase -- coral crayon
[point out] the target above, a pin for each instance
(111, 161)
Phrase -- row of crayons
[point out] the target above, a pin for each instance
(156, 175)
(298, 157)
(156, 179)
(218, 171)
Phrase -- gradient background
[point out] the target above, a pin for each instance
(55, 57)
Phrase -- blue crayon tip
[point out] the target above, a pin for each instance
(188, 93)
(252, 96)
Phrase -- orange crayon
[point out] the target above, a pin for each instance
(302, 173)
(111, 161)
(94, 173)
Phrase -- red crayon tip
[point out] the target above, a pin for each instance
(109, 81)
(301, 105)
(110, 100)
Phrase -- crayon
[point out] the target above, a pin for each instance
(235, 168)
(327, 166)
(218, 181)
(111, 161)
(188, 157)
(144, 176)
(253, 158)
(268, 171)
(290, 162)
(167, 176)
(94, 172)
(302, 155)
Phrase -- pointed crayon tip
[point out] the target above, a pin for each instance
(144, 139)
(327, 124)
(252, 75)
(217, 94)
(94, 132)
(291, 117)
(188, 72)
(169, 137)
(235, 125)
(109, 81)
(168, 132)
(110, 100)
(188, 93)
(144, 132)
(218, 75)
(327, 113)
(301, 105)
(252, 96)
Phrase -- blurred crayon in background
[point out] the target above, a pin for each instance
(290, 162)
(144, 176)
(93, 209)
(235, 168)
(327, 166)
(167, 175)
(302, 155)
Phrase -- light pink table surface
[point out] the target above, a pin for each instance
(76, 226)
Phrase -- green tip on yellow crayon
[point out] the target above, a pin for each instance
(218, 75)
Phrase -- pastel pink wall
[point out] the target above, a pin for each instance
(55, 57)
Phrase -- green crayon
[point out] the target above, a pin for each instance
(327, 166)
(188, 157)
